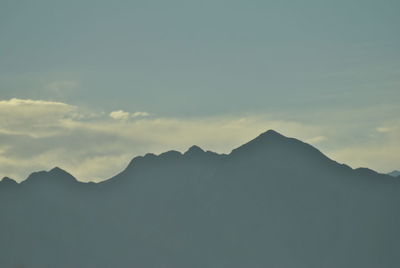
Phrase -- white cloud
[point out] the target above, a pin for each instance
(384, 129)
(140, 114)
(119, 115)
(34, 118)
(25, 102)
(122, 115)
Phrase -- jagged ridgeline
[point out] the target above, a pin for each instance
(273, 202)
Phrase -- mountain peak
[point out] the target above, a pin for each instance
(279, 150)
(268, 138)
(8, 180)
(55, 174)
(194, 150)
(58, 171)
(271, 133)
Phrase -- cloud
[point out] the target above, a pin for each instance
(21, 102)
(122, 115)
(140, 114)
(119, 115)
(384, 129)
(34, 118)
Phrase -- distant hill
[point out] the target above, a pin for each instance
(273, 202)
(394, 173)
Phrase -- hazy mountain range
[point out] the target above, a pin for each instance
(272, 202)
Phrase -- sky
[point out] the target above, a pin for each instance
(88, 85)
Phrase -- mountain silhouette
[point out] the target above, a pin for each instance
(55, 175)
(394, 173)
(272, 202)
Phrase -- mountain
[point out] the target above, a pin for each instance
(7, 182)
(394, 173)
(273, 202)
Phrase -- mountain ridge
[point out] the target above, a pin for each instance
(268, 140)
(276, 202)
(394, 173)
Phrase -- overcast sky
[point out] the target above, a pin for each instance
(87, 85)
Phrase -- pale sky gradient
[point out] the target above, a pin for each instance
(87, 85)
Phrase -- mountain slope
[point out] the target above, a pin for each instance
(394, 173)
(273, 202)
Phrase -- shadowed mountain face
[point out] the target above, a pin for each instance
(273, 202)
